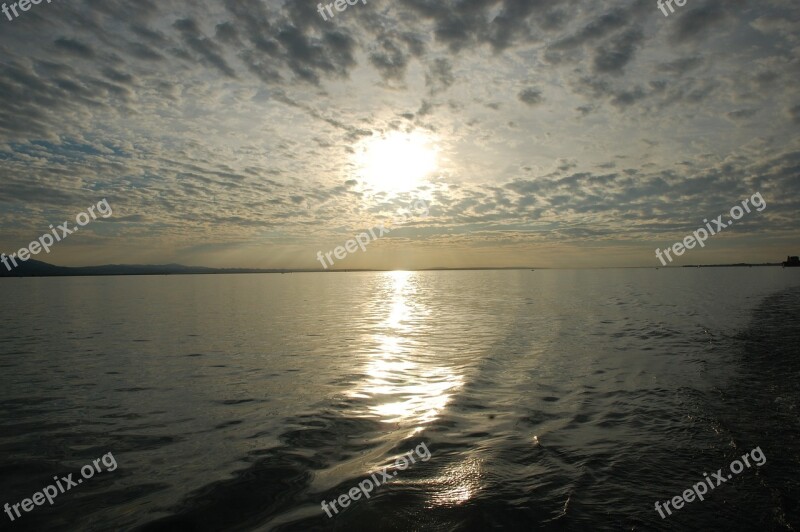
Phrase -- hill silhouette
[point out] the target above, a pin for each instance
(35, 268)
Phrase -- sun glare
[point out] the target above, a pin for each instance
(395, 162)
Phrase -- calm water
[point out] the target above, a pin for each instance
(549, 400)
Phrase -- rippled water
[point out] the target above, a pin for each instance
(549, 400)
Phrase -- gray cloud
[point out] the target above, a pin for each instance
(530, 96)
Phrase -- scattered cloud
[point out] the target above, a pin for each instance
(238, 123)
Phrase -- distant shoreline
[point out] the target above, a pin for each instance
(739, 265)
(34, 268)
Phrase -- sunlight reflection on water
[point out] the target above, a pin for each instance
(404, 384)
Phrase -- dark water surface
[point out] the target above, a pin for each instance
(549, 400)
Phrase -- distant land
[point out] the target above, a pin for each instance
(35, 268)
(739, 265)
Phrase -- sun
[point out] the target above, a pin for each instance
(395, 162)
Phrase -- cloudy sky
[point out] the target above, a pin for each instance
(540, 133)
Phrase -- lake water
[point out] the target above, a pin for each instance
(549, 400)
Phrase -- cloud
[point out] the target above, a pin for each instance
(238, 121)
(612, 58)
(794, 114)
(695, 23)
(439, 76)
(74, 47)
(530, 96)
(741, 114)
(390, 60)
(681, 66)
(203, 46)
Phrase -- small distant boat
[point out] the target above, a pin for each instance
(791, 262)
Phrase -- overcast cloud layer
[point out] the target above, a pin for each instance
(571, 133)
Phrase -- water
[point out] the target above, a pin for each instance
(549, 400)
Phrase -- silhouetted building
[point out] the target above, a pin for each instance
(791, 261)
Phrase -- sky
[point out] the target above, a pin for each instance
(539, 133)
